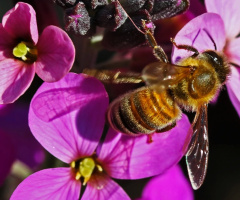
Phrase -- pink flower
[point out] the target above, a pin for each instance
(16, 140)
(230, 16)
(223, 28)
(67, 118)
(172, 185)
(22, 52)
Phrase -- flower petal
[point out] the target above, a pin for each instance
(21, 22)
(7, 155)
(198, 33)
(28, 150)
(56, 54)
(54, 184)
(232, 51)
(67, 117)
(109, 190)
(233, 88)
(6, 44)
(171, 185)
(16, 77)
(229, 11)
(127, 157)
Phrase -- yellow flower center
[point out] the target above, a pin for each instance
(84, 168)
(26, 52)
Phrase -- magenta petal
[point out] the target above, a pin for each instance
(15, 78)
(229, 11)
(232, 51)
(126, 157)
(54, 184)
(196, 33)
(7, 155)
(233, 88)
(6, 44)
(21, 22)
(67, 117)
(171, 185)
(109, 190)
(56, 54)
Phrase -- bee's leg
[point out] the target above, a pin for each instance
(150, 140)
(186, 47)
(116, 77)
(157, 50)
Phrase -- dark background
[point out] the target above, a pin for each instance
(223, 175)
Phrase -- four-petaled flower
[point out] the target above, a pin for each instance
(23, 52)
(67, 118)
(217, 30)
(230, 16)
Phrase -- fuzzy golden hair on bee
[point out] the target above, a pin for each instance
(190, 84)
(203, 84)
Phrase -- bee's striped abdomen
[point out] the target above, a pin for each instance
(143, 111)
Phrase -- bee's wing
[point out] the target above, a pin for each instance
(160, 75)
(198, 150)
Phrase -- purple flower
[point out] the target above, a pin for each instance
(171, 185)
(22, 52)
(208, 30)
(230, 16)
(67, 118)
(16, 140)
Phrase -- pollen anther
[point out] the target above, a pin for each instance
(25, 51)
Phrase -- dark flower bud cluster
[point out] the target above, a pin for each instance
(83, 16)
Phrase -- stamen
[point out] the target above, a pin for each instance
(78, 176)
(20, 51)
(73, 164)
(86, 168)
(25, 51)
(100, 169)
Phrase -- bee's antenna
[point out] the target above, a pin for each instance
(131, 19)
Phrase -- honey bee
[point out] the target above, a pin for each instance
(190, 85)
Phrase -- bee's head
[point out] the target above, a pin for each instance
(219, 63)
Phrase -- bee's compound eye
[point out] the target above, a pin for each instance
(215, 58)
(219, 63)
(202, 84)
